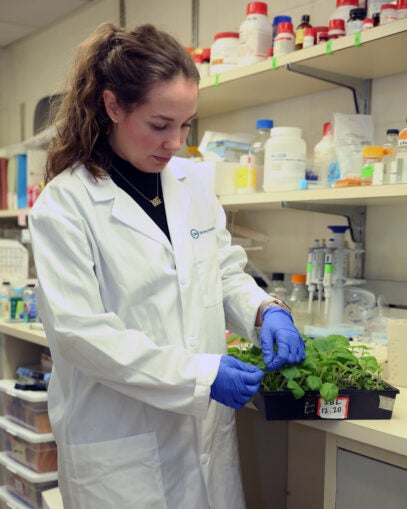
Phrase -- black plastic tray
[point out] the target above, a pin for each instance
(350, 404)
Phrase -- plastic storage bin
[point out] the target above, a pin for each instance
(24, 483)
(35, 450)
(10, 501)
(28, 408)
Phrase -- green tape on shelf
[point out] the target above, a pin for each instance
(274, 63)
(328, 48)
(217, 80)
(358, 39)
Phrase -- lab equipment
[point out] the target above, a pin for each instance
(278, 329)
(333, 279)
(236, 382)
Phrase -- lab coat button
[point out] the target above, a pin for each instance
(191, 342)
(204, 459)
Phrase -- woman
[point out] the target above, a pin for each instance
(136, 276)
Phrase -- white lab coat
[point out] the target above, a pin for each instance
(136, 326)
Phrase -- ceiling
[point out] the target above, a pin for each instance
(19, 18)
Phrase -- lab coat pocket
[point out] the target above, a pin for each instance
(123, 473)
(207, 268)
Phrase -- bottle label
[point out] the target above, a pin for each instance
(299, 36)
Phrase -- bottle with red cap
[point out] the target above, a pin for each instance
(255, 34)
(336, 28)
(325, 158)
(284, 42)
(343, 8)
(388, 13)
(401, 7)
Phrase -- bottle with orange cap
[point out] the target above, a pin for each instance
(298, 301)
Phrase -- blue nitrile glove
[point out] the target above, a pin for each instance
(278, 328)
(236, 382)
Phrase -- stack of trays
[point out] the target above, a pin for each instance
(29, 459)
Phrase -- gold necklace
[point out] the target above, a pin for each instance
(154, 202)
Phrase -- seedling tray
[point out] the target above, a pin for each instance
(350, 404)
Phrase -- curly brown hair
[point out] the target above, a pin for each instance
(128, 63)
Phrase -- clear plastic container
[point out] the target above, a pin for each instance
(28, 408)
(324, 157)
(285, 156)
(278, 288)
(258, 147)
(298, 301)
(255, 34)
(24, 483)
(37, 451)
(224, 52)
(372, 167)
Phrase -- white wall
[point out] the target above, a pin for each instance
(34, 67)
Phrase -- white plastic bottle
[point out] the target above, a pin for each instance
(258, 147)
(284, 42)
(5, 299)
(401, 157)
(224, 52)
(284, 159)
(343, 8)
(255, 34)
(374, 7)
(324, 156)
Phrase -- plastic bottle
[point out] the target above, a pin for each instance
(224, 52)
(401, 157)
(343, 8)
(324, 156)
(388, 13)
(355, 21)
(284, 42)
(258, 146)
(278, 288)
(276, 21)
(255, 34)
(389, 157)
(284, 159)
(246, 175)
(401, 9)
(336, 28)
(298, 302)
(374, 7)
(5, 300)
(372, 169)
(368, 23)
(30, 303)
(300, 31)
(309, 38)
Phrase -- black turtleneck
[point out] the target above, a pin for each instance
(146, 183)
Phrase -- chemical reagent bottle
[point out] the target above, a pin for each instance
(258, 146)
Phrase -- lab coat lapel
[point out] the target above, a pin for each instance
(177, 197)
(124, 208)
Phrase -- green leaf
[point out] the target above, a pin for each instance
(296, 390)
(313, 382)
(329, 391)
(290, 372)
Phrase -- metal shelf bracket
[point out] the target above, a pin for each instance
(356, 216)
(361, 89)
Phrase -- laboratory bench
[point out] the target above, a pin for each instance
(287, 464)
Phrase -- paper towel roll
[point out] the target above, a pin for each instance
(397, 351)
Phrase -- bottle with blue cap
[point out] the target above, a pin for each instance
(276, 21)
(257, 148)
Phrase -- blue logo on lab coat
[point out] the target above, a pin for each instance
(195, 234)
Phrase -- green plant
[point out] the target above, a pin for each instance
(332, 364)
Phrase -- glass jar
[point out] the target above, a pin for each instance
(372, 169)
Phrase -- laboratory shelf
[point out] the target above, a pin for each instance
(391, 194)
(24, 331)
(372, 54)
